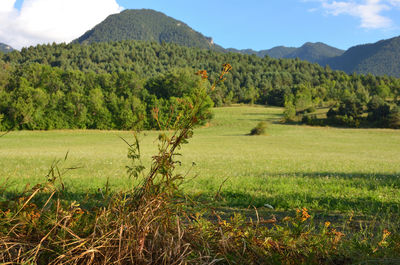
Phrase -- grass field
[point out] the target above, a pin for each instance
(329, 170)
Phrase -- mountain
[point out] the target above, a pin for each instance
(5, 48)
(276, 52)
(279, 52)
(245, 51)
(151, 25)
(380, 58)
(146, 25)
(314, 52)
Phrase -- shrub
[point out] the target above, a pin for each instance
(259, 129)
(290, 112)
(310, 109)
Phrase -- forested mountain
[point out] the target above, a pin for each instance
(278, 52)
(147, 25)
(116, 85)
(5, 48)
(380, 58)
(314, 52)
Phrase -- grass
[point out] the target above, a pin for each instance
(335, 173)
(325, 169)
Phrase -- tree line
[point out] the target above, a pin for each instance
(116, 85)
(41, 97)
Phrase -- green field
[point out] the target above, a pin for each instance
(328, 170)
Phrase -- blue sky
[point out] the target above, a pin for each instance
(256, 24)
(259, 24)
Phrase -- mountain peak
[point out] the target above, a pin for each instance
(147, 25)
(315, 52)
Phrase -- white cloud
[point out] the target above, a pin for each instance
(395, 2)
(7, 6)
(370, 12)
(46, 21)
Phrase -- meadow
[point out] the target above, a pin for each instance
(298, 194)
(327, 170)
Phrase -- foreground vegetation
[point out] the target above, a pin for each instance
(346, 177)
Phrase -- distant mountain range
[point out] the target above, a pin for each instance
(276, 52)
(147, 25)
(380, 58)
(312, 52)
(5, 48)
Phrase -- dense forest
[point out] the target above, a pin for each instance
(118, 85)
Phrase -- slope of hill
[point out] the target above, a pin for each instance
(380, 58)
(279, 52)
(5, 48)
(276, 52)
(314, 52)
(147, 25)
(244, 51)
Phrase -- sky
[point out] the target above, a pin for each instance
(255, 24)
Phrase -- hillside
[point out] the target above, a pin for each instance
(279, 52)
(5, 48)
(276, 52)
(147, 25)
(380, 58)
(314, 52)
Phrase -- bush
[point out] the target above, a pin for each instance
(259, 129)
(310, 109)
(312, 120)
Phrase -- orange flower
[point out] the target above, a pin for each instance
(203, 74)
(304, 215)
(386, 233)
(338, 236)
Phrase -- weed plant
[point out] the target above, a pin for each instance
(153, 223)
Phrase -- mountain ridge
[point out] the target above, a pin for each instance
(5, 48)
(147, 25)
(315, 52)
(380, 58)
(309, 51)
